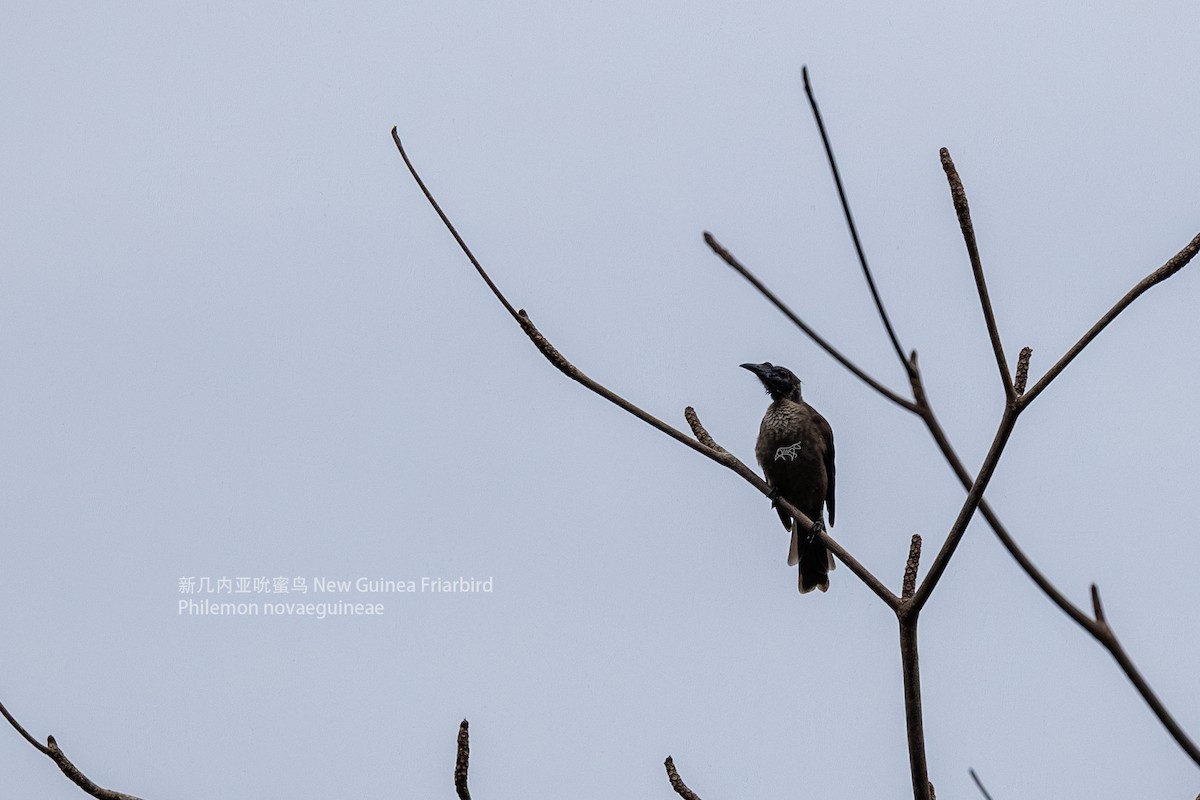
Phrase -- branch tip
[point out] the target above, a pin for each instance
(1173, 265)
(1097, 606)
(979, 783)
(911, 567)
(819, 340)
(702, 435)
(963, 210)
(1022, 370)
(850, 226)
(461, 762)
(677, 783)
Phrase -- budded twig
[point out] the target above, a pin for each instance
(462, 762)
(52, 751)
(677, 783)
(714, 452)
(921, 406)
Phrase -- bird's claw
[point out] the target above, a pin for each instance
(815, 531)
(774, 497)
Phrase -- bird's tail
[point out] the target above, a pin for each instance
(814, 559)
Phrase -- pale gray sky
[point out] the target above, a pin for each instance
(237, 343)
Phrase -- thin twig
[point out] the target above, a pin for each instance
(963, 210)
(820, 341)
(21, 730)
(1103, 634)
(462, 762)
(924, 409)
(677, 783)
(1108, 638)
(52, 751)
(979, 783)
(720, 455)
(858, 248)
(974, 497)
(450, 226)
(921, 406)
(1098, 607)
(1173, 265)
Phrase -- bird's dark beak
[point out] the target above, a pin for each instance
(757, 369)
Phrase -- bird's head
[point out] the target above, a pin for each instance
(780, 382)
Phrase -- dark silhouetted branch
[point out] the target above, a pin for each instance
(915, 727)
(1097, 608)
(841, 190)
(462, 762)
(718, 454)
(979, 784)
(677, 783)
(52, 751)
(1007, 422)
(820, 341)
(1173, 265)
(963, 210)
(921, 406)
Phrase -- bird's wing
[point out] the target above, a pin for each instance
(827, 435)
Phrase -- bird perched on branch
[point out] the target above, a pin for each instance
(795, 451)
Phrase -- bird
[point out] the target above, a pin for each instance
(795, 451)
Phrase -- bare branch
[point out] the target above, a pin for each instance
(970, 504)
(21, 730)
(1101, 633)
(450, 225)
(677, 783)
(858, 248)
(1097, 608)
(55, 754)
(1173, 265)
(911, 566)
(910, 667)
(461, 762)
(721, 456)
(1022, 370)
(1109, 639)
(921, 407)
(979, 783)
(959, 195)
(728, 258)
(693, 421)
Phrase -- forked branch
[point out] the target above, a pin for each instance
(712, 451)
(921, 406)
(959, 195)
